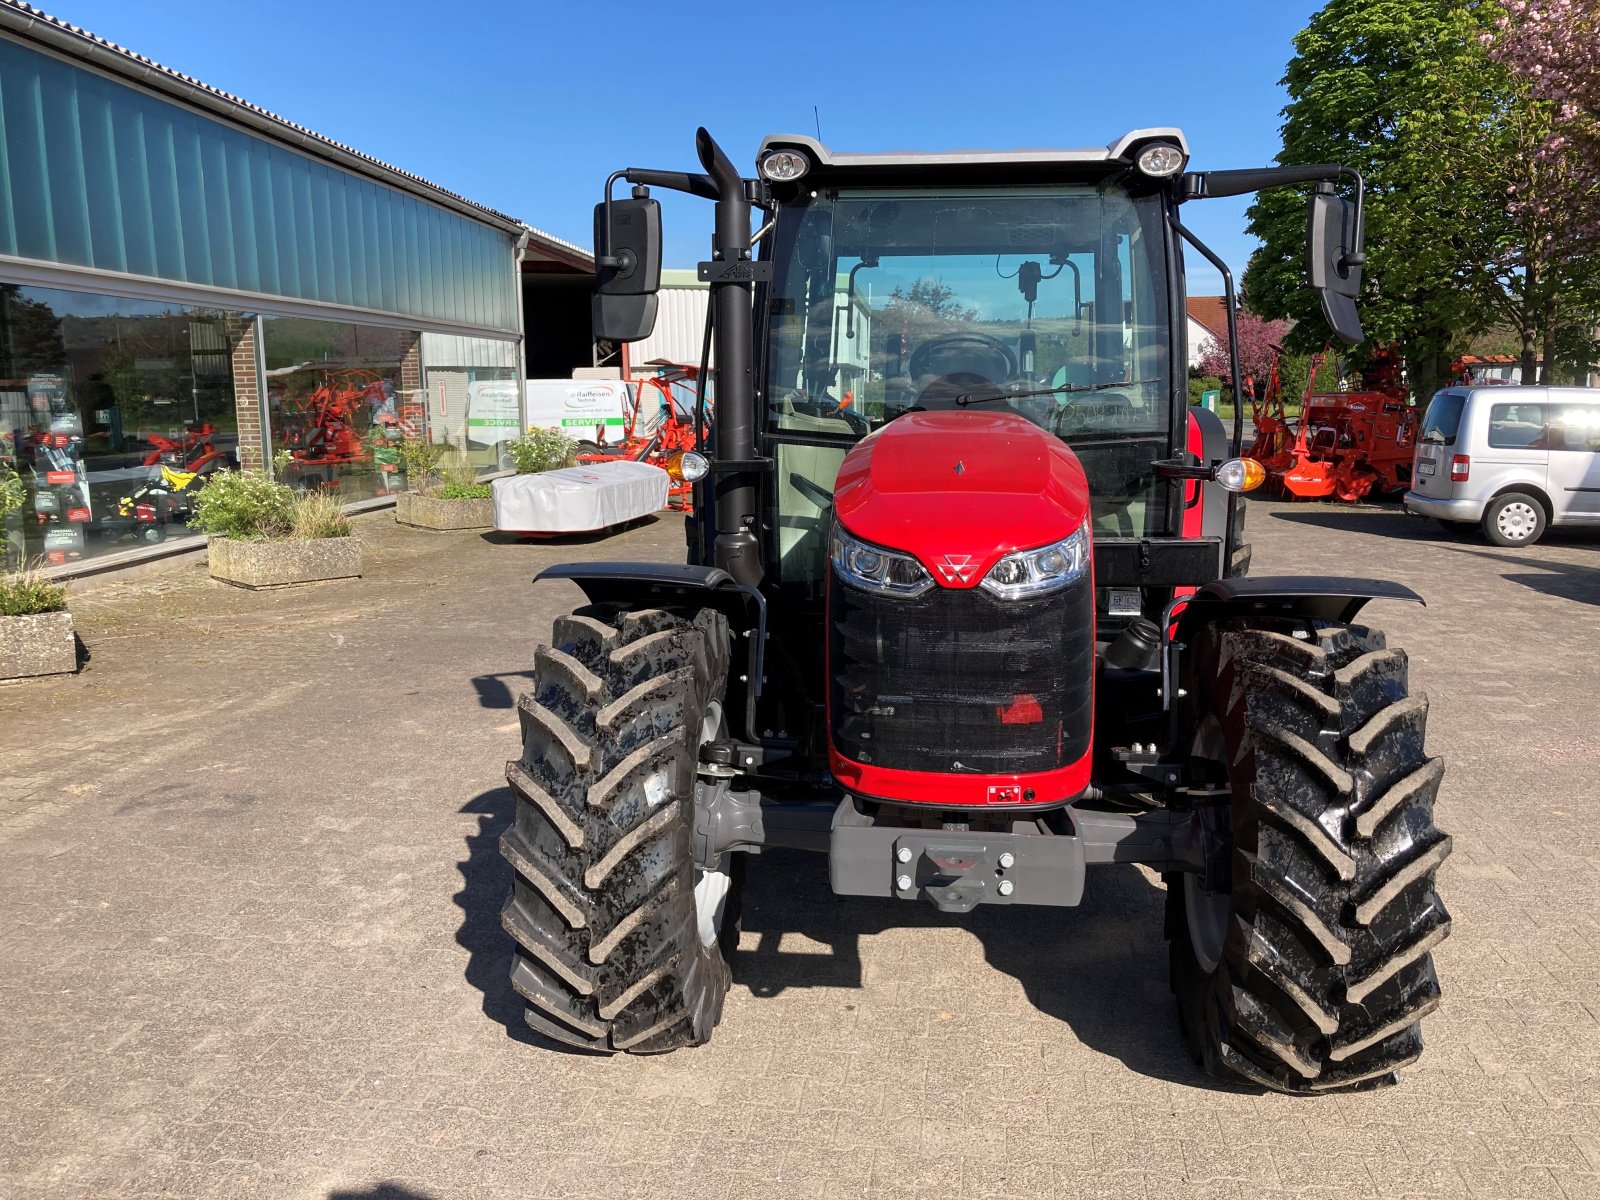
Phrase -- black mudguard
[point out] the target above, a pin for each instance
(1317, 597)
(686, 585)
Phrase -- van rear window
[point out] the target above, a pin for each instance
(1444, 419)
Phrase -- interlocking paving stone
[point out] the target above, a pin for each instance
(251, 946)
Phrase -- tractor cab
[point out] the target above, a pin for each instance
(939, 285)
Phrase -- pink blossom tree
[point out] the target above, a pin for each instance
(1552, 47)
(1260, 344)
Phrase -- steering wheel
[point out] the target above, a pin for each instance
(963, 354)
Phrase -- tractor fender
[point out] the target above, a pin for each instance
(1318, 597)
(680, 584)
(1313, 597)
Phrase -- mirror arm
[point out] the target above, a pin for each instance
(673, 181)
(1207, 185)
(1232, 301)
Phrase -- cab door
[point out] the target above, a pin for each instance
(1574, 437)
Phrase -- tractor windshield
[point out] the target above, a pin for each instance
(889, 300)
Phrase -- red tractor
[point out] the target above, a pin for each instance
(980, 629)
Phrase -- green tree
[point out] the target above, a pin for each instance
(30, 335)
(1405, 92)
(928, 298)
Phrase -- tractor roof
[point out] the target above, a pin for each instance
(1120, 150)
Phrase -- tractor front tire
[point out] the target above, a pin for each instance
(620, 938)
(1312, 971)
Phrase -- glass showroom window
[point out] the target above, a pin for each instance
(340, 400)
(474, 402)
(113, 413)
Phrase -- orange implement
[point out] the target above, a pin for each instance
(1345, 444)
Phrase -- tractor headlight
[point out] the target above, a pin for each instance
(877, 569)
(1042, 571)
(1160, 159)
(785, 166)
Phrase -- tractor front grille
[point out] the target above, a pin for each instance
(960, 681)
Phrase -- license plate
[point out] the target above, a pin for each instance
(1427, 466)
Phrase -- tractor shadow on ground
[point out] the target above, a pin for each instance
(381, 1191)
(494, 691)
(1100, 968)
(485, 882)
(1385, 522)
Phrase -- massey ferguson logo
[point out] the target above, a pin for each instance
(957, 568)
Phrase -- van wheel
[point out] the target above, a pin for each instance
(1514, 519)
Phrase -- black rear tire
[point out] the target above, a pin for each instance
(1325, 967)
(1514, 519)
(603, 910)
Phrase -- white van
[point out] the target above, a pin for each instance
(1512, 460)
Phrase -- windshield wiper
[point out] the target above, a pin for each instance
(966, 398)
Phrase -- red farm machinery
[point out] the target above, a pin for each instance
(659, 428)
(1347, 445)
(980, 631)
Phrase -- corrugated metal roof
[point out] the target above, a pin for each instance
(559, 248)
(31, 23)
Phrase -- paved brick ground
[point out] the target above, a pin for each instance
(249, 942)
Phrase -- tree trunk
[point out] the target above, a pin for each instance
(1529, 361)
(1548, 368)
(1527, 323)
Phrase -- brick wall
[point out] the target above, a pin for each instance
(246, 389)
(410, 361)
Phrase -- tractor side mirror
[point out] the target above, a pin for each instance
(1335, 254)
(627, 242)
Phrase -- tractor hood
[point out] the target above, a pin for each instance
(966, 487)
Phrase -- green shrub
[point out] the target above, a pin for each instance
(319, 515)
(13, 492)
(1199, 384)
(419, 458)
(464, 491)
(244, 507)
(26, 593)
(460, 482)
(543, 450)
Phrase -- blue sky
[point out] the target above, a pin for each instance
(527, 107)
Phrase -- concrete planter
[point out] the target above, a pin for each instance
(430, 512)
(38, 644)
(283, 562)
